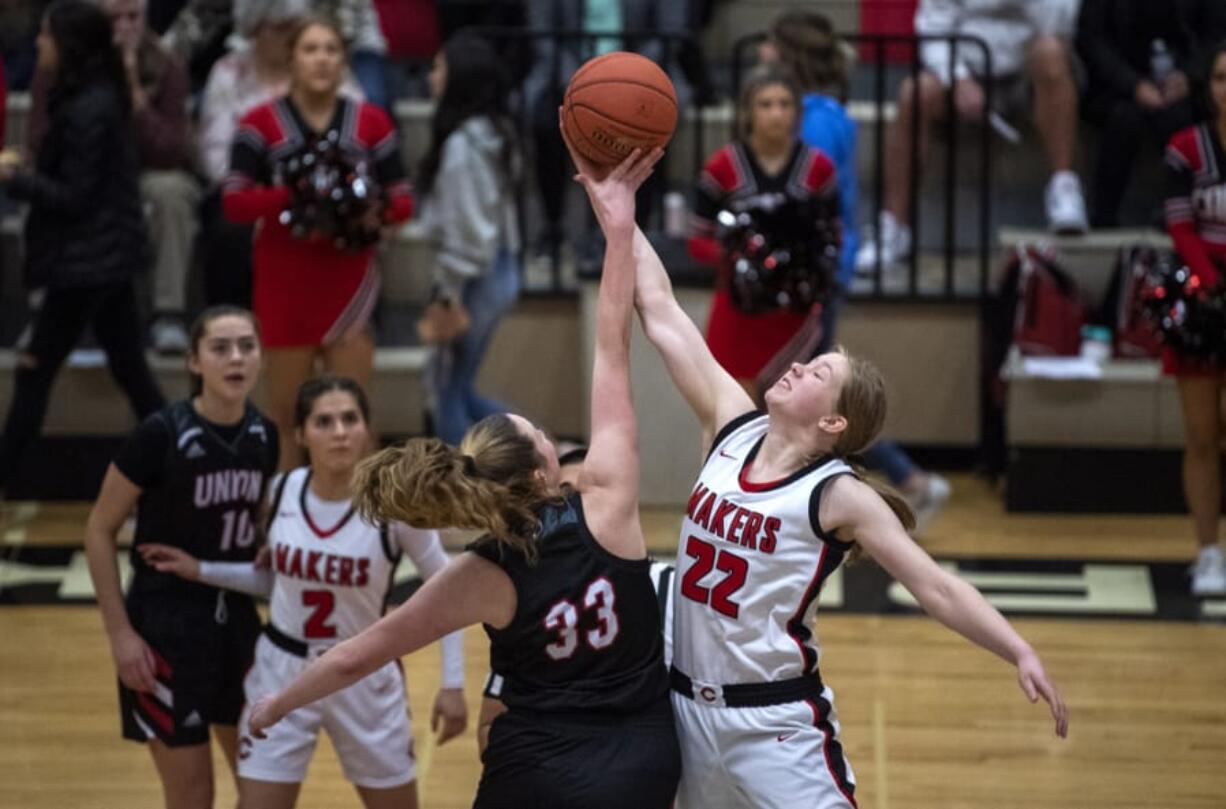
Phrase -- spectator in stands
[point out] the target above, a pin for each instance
(556, 60)
(312, 298)
(1140, 56)
(1196, 220)
(196, 32)
(85, 237)
(806, 44)
(158, 86)
(359, 23)
(1030, 55)
(468, 180)
(19, 22)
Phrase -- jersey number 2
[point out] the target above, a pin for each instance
(317, 626)
(563, 619)
(707, 556)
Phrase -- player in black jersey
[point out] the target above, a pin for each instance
(560, 581)
(196, 473)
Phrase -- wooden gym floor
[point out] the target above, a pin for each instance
(927, 720)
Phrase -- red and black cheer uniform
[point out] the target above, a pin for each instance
(588, 720)
(306, 292)
(1196, 218)
(202, 489)
(733, 180)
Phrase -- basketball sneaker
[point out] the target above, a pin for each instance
(895, 241)
(927, 501)
(1066, 205)
(1209, 572)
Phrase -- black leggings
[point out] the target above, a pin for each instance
(57, 328)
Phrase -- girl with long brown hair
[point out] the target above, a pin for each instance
(560, 580)
(776, 508)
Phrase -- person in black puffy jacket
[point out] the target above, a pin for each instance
(85, 236)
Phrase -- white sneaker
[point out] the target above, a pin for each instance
(168, 336)
(1066, 205)
(1209, 573)
(928, 501)
(895, 246)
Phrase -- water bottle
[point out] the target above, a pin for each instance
(675, 215)
(1161, 62)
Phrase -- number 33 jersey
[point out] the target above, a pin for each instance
(750, 566)
(585, 637)
(333, 570)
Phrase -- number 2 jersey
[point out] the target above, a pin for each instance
(750, 566)
(585, 637)
(202, 486)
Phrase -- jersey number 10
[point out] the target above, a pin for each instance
(563, 619)
(237, 530)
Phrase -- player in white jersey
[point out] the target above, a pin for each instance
(328, 579)
(775, 509)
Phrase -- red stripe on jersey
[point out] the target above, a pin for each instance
(155, 712)
(749, 486)
(820, 174)
(827, 731)
(724, 168)
(1185, 147)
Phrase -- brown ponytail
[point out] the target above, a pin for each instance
(488, 484)
(862, 401)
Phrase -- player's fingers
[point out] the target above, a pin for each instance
(626, 167)
(1028, 688)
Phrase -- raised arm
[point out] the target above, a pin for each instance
(468, 591)
(852, 510)
(610, 476)
(712, 393)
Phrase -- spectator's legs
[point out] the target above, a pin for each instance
(117, 327)
(371, 69)
(227, 256)
(456, 365)
(1117, 150)
(1201, 397)
(898, 139)
(57, 328)
(285, 369)
(1055, 100)
(173, 201)
(551, 173)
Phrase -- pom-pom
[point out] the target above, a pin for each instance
(1189, 316)
(334, 198)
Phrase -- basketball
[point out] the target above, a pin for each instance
(616, 103)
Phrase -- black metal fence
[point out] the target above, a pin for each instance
(875, 46)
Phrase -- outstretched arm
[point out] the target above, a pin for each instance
(610, 476)
(712, 393)
(853, 510)
(468, 591)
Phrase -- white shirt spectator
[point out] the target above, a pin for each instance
(1007, 26)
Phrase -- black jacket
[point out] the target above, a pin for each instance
(86, 226)
(1115, 38)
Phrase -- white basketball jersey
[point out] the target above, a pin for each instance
(750, 566)
(333, 570)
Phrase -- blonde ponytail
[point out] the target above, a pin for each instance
(489, 484)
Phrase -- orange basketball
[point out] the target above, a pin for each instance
(616, 103)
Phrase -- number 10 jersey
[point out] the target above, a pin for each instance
(751, 563)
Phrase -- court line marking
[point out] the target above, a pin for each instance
(22, 514)
(879, 754)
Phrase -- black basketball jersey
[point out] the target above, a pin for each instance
(585, 635)
(206, 496)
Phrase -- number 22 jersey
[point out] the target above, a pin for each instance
(750, 566)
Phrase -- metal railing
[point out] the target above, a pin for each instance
(518, 45)
(877, 44)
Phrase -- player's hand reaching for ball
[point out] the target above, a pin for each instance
(264, 714)
(169, 559)
(1035, 683)
(450, 714)
(612, 190)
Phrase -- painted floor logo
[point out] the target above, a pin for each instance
(1036, 587)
